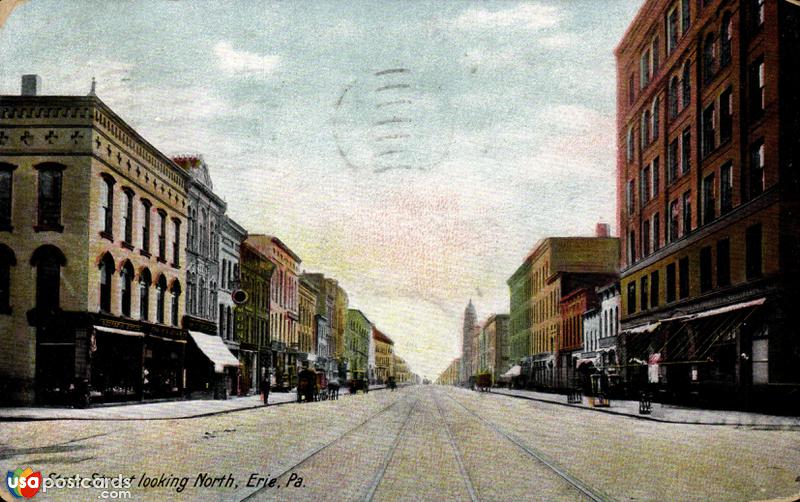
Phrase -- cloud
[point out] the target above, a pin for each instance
(531, 16)
(243, 63)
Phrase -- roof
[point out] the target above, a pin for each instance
(278, 243)
(380, 336)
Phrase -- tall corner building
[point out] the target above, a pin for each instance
(708, 114)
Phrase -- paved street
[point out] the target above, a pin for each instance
(418, 443)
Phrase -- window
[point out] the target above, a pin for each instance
(106, 273)
(723, 262)
(672, 97)
(686, 91)
(725, 116)
(753, 252)
(672, 29)
(145, 281)
(672, 161)
(656, 176)
(643, 293)
(126, 286)
(656, 114)
(630, 197)
(176, 243)
(645, 238)
(631, 90)
(632, 247)
(161, 288)
(644, 69)
(162, 235)
(48, 261)
(726, 188)
(686, 16)
(757, 168)
(757, 14)
(644, 185)
(725, 41)
(49, 214)
(655, 55)
(709, 200)
(757, 85)
(645, 128)
(6, 192)
(672, 234)
(686, 151)
(687, 213)
(656, 232)
(629, 144)
(709, 58)
(708, 130)
(683, 282)
(175, 291)
(107, 207)
(146, 206)
(631, 297)
(654, 289)
(705, 269)
(203, 237)
(127, 217)
(7, 260)
(670, 283)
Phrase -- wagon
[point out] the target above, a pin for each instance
(483, 382)
(306, 385)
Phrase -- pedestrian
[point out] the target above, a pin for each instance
(265, 381)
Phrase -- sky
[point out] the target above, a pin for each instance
(415, 151)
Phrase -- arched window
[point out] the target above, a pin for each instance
(107, 206)
(672, 97)
(125, 287)
(48, 261)
(686, 84)
(7, 260)
(145, 281)
(106, 273)
(725, 37)
(201, 304)
(709, 58)
(162, 236)
(629, 144)
(202, 238)
(127, 216)
(656, 116)
(161, 289)
(49, 203)
(213, 240)
(6, 190)
(645, 132)
(176, 242)
(175, 289)
(146, 206)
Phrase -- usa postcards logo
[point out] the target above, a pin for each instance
(23, 483)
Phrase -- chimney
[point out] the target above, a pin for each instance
(602, 230)
(31, 84)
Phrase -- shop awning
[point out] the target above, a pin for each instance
(215, 350)
(726, 309)
(515, 371)
(644, 328)
(117, 331)
(581, 362)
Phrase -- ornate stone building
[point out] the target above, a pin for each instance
(92, 260)
(468, 333)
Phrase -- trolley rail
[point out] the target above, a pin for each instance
(473, 493)
(540, 457)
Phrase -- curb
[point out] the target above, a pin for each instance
(130, 419)
(647, 417)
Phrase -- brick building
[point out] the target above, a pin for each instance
(708, 113)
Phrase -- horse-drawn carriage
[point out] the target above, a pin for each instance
(483, 382)
(307, 385)
(357, 384)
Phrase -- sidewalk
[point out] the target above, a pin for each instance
(665, 412)
(164, 410)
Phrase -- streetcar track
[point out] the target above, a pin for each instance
(325, 446)
(541, 457)
(376, 481)
(473, 493)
